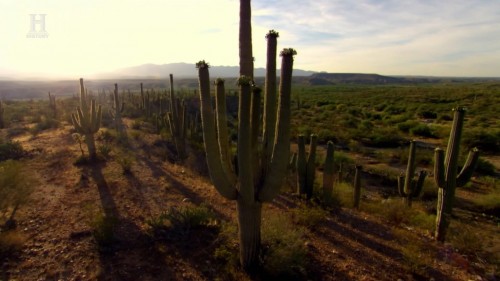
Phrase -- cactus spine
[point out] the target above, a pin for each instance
(328, 171)
(408, 187)
(357, 186)
(446, 173)
(2, 110)
(87, 120)
(177, 122)
(306, 169)
(254, 184)
(118, 108)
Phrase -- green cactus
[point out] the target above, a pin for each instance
(2, 110)
(254, 184)
(408, 187)
(357, 186)
(87, 120)
(118, 108)
(446, 173)
(52, 104)
(145, 104)
(177, 122)
(328, 171)
(306, 168)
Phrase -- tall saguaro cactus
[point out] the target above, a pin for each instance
(408, 187)
(256, 182)
(446, 173)
(306, 169)
(2, 110)
(118, 108)
(87, 120)
(52, 104)
(177, 122)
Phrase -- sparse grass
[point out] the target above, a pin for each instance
(104, 150)
(466, 238)
(103, 231)
(284, 255)
(11, 150)
(489, 202)
(15, 188)
(180, 221)
(126, 161)
(309, 216)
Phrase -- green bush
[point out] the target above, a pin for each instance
(11, 150)
(15, 187)
(422, 130)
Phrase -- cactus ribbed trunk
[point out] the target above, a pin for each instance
(408, 187)
(446, 174)
(249, 222)
(306, 167)
(245, 39)
(270, 98)
(90, 142)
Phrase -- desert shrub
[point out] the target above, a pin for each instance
(484, 167)
(465, 238)
(15, 188)
(484, 140)
(11, 150)
(407, 126)
(427, 114)
(309, 216)
(103, 231)
(284, 255)
(45, 123)
(181, 220)
(422, 130)
(104, 150)
(125, 161)
(490, 202)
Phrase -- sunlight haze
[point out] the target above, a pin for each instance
(435, 38)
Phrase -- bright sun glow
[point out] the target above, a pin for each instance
(449, 38)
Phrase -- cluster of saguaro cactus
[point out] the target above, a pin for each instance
(408, 187)
(177, 122)
(328, 171)
(446, 173)
(260, 171)
(357, 186)
(117, 109)
(87, 120)
(2, 110)
(306, 168)
(52, 104)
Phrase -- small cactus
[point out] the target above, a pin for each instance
(328, 171)
(177, 122)
(357, 186)
(408, 187)
(2, 110)
(306, 169)
(446, 173)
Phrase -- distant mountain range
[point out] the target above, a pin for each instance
(183, 70)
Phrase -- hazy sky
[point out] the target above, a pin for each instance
(391, 37)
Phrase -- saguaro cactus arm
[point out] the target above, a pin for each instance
(281, 149)
(468, 168)
(223, 180)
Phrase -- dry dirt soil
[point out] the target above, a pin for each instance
(57, 224)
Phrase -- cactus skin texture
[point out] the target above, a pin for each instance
(87, 120)
(118, 108)
(408, 187)
(306, 169)
(357, 186)
(256, 182)
(445, 173)
(2, 110)
(177, 122)
(328, 173)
